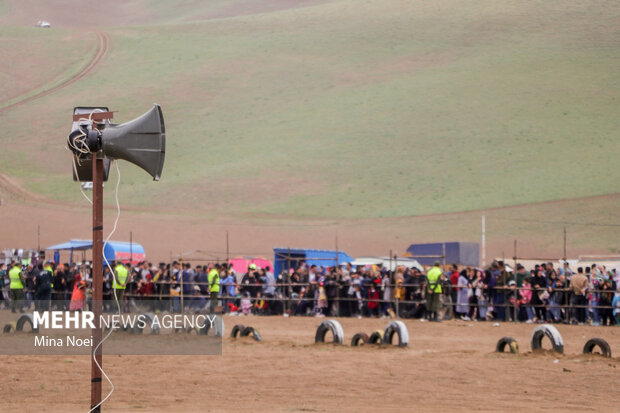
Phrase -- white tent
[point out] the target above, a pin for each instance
(386, 263)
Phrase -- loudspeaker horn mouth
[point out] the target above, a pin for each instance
(141, 141)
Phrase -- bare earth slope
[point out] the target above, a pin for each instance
(303, 121)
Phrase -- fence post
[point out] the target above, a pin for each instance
(396, 303)
(516, 295)
(337, 300)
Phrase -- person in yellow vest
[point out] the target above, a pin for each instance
(48, 267)
(120, 281)
(16, 287)
(434, 277)
(213, 278)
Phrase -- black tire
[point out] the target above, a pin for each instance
(329, 325)
(9, 328)
(23, 320)
(218, 327)
(399, 328)
(376, 337)
(254, 332)
(121, 327)
(237, 329)
(550, 331)
(359, 339)
(204, 331)
(512, 344)
(149, 322)
(597, 342)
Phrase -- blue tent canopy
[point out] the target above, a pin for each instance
(74, 244)
(113, 250)
(285, 258)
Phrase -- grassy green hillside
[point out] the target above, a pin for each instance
(351, 109)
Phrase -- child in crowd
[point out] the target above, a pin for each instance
(526, 313)
(246, 304)
(373, 301)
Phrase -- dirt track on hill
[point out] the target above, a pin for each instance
(447, 367)
(16, 190)
(101, 52)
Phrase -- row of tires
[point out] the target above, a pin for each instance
(23, 321)
(218, 327)
(26, 320)
(394, 328)
(549, 331)
(239, 330)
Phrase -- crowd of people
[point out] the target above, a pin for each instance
(542, 294)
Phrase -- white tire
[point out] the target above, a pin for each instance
(329, 325)
(396, 327)
(550, 331)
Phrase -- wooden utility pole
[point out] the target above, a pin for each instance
(95, 385)
(564, 243)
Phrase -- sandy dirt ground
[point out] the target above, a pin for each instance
(449, 366)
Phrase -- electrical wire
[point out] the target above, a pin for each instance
(81, 189)
(118, 306)
(78, 144)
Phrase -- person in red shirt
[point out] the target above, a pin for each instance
(77, 296)
(454, 280)
(146, 288)
(373, 301)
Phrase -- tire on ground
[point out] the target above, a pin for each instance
(329, 325)
(359, 339)
(23, 320)
(376, 337)
(550, 331)
(9, 328)
(237, 329)
(120, 327)
(512, 344)
(218, 327)
(597, 342)
(399, 328)
(254, 332)
(147, 318)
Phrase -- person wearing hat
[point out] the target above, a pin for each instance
(502, 294)
(512, 298)
(434, 276)
(249, 282)
(43, 288)
(119, 282)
